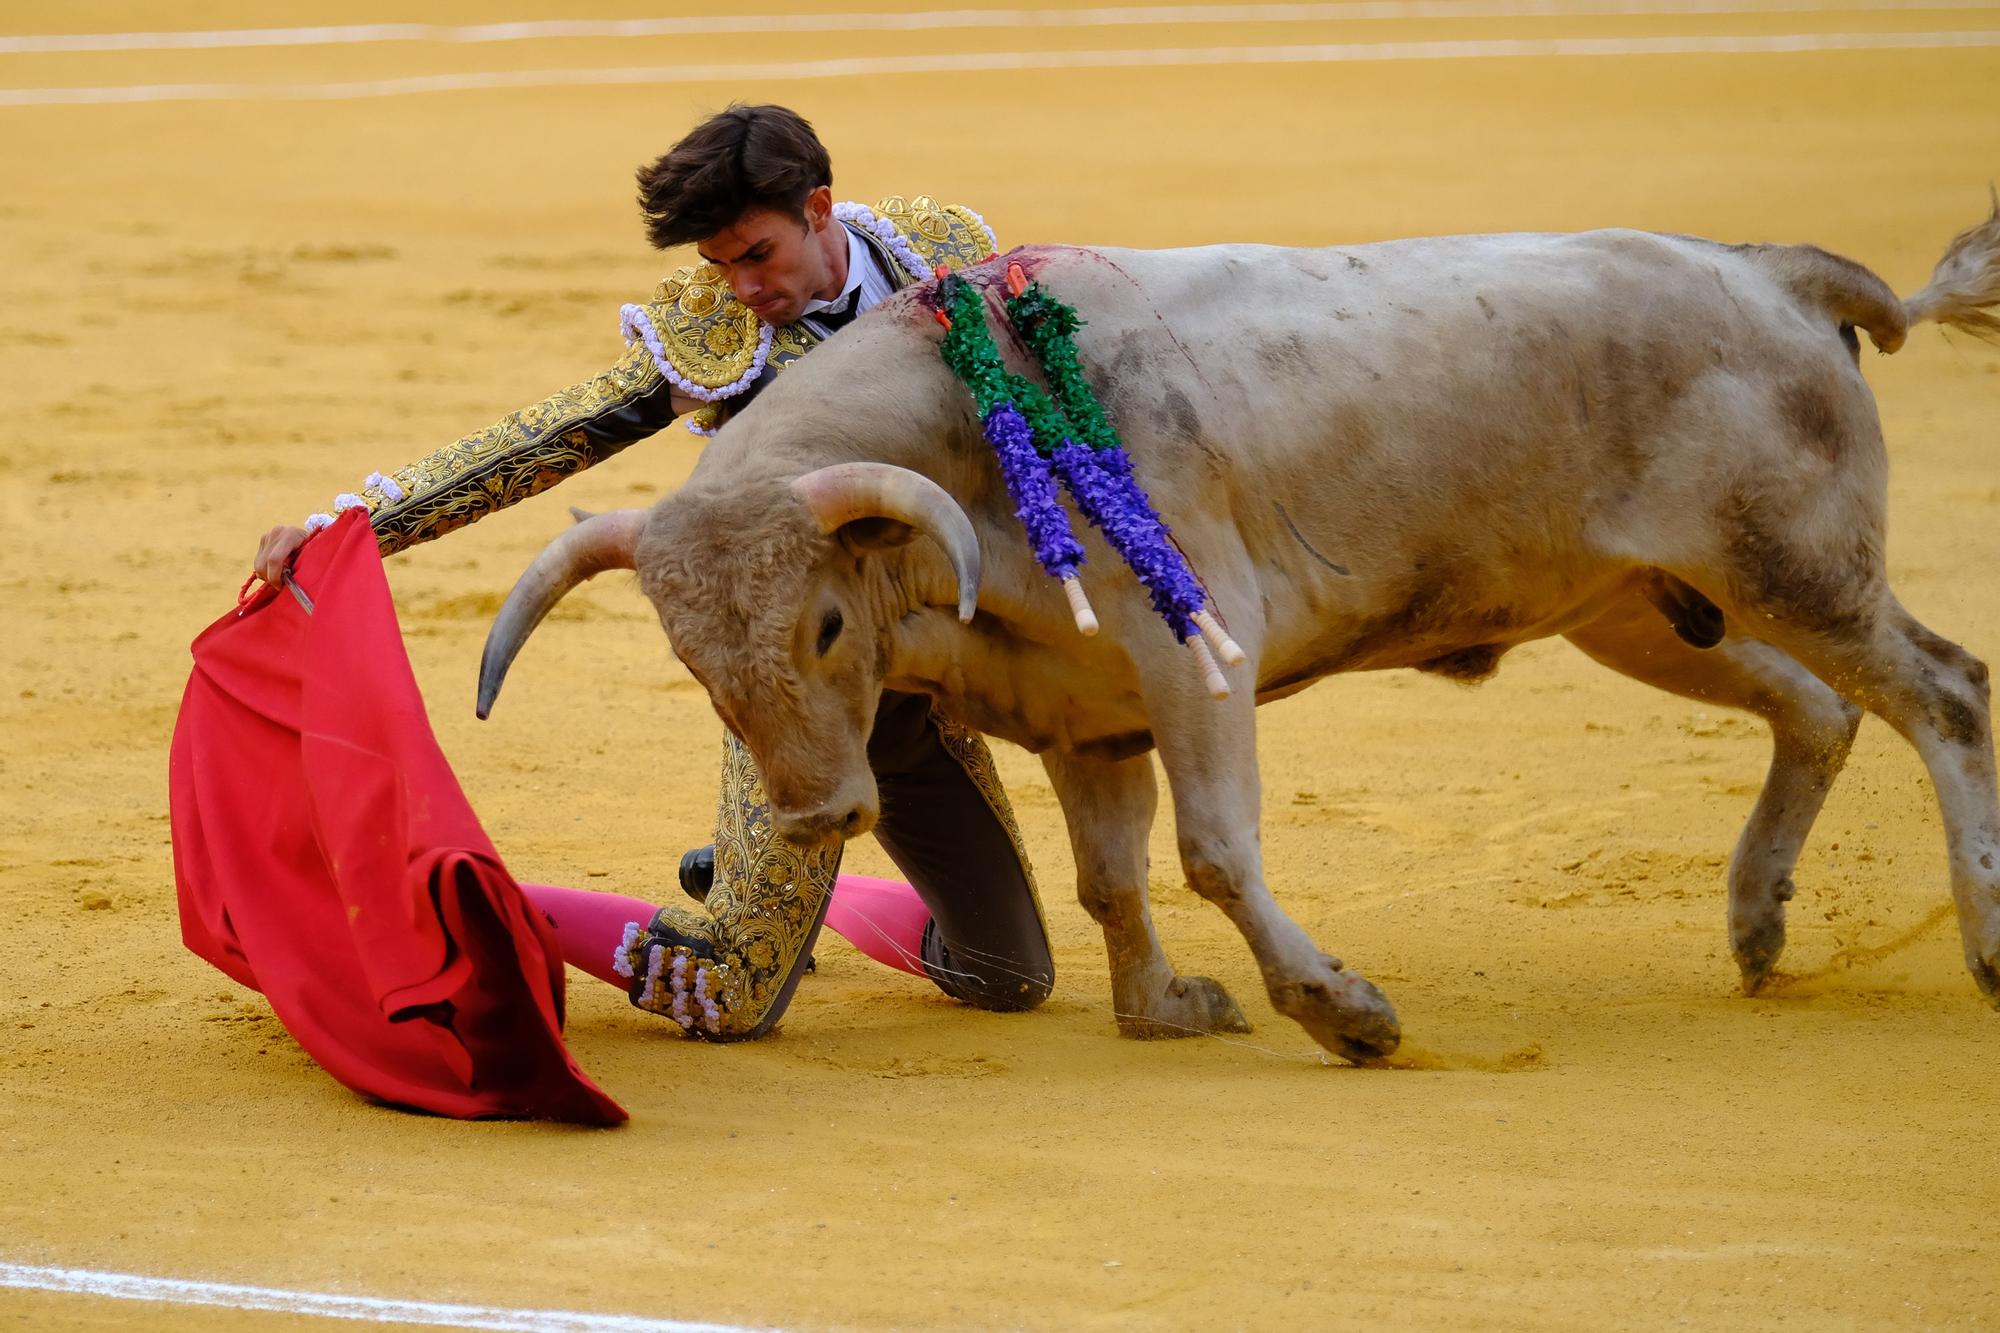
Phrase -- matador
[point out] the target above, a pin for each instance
(783, 269)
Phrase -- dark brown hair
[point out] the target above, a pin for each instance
(744, 158)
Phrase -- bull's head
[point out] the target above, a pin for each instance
(779, 595)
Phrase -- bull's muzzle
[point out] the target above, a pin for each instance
(835, 821)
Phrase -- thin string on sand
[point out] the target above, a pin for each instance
(1290, 1057)
(1406, 1057)
(923, 968)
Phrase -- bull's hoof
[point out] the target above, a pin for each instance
(1979, 934)
(1986, 975)
(1343, 1012)
(1185, 1007)
(1363, 1051)
(1756, 964)
(1757, 932)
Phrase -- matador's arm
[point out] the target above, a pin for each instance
(522, 454)
(694, 339)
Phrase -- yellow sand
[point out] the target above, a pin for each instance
(214, 315)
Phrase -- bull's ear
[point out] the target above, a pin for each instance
(864, 535)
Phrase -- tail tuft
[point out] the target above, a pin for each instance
(1966, 283)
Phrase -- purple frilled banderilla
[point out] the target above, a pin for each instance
(1039, 438)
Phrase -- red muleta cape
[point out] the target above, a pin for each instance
(324, 855)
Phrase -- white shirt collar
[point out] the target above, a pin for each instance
(858, 259)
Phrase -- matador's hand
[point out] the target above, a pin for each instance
(275, 552)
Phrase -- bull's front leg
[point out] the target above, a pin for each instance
(1209, 748)
(1109, 808)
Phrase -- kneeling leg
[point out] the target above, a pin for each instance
(947, 825)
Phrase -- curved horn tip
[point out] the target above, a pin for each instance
(597, 543)
(578, 513)
(489, 689)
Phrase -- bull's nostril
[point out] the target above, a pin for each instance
(852, 824)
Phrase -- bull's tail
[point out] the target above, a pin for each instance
(1965, 285)
(1963, 288)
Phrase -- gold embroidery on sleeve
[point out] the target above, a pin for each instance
(520, 455)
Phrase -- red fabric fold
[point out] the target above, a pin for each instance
(325, 855)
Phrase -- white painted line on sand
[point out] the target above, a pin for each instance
(932, 20)
(989, 61)
(324, 1305)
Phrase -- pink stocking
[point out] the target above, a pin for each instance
(590, 925)
(883, 918)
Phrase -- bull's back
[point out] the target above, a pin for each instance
(1477, 409)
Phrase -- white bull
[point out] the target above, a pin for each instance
(1410, 454)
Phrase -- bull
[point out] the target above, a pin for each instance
(1417, 453)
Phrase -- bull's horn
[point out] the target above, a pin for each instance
(842, 493)
(597, 543)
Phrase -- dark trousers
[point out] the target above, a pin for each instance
(986, 944)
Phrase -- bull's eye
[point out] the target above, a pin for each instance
(829, 630)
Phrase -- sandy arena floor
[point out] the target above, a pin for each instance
(214, 314)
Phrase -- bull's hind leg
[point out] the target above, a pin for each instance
(1210, 752)
(1806, 569)
(1109, 807)
(1812, 729)
(1935, 694)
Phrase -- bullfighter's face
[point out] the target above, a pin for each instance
(775, 262)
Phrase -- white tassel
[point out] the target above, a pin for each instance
(385, 484)
(709, 1011)
(318, 521)
(655, 960)
(1211, 674)
(678, 979)
(885, 231)
(621, 957)
(1212, 630)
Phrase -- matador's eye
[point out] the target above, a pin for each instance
(829, 630)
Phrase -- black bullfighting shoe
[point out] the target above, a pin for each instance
(698, 872)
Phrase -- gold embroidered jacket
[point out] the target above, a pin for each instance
(694, 338)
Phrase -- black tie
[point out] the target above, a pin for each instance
(837, 317)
